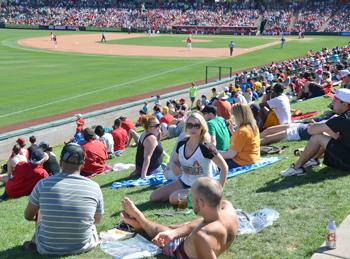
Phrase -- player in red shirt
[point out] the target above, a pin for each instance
(119, 136)
(191, 32)
(25, 176)
(154, 30)
(55, 41)
(51, 35)
(189, 45)
(95, 154)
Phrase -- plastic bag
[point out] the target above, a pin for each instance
(136, 247)
(256, 221)
(115, 235)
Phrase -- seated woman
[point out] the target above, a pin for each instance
(248, 95)
(199, 105)
(175, 128)
(245, 140)
(315, 89)
(50, 162)
(149, 154)
(195, 157)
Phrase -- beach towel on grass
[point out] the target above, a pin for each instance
(159, 178)
(303, 116)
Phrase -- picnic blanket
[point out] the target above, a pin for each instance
(159, 178)
(303, 116)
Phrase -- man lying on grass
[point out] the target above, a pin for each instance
(331, 138)
(207, 237)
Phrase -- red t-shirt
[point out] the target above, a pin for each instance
(188, 40)
(167, 118)
(230, 89)
(25, 177)
(23, 152)
(80, 124)
(224, 109)
(119, 136)
(328, 88)
(127, 125)
(95, 157)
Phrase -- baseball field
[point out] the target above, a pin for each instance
(39, 81)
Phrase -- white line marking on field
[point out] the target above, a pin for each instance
(99, 90)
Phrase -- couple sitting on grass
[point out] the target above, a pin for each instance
(211, 235)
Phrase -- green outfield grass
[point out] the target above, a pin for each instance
(36, 83)
(217, 41)
(305, 204)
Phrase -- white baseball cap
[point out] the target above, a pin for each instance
(225, 89)
(343, 95)
(344, 73)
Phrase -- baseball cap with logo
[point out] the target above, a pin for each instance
(73, 150)
(37, 157)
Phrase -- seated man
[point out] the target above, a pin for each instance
(209, 236)
(275, 111)
(331, 138)
(120, 136)
(25, 176)
(59, 229)
(219, 134)
(95, 154)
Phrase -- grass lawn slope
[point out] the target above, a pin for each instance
(305, 205)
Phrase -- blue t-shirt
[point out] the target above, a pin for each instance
(243, 86)
(158, 115)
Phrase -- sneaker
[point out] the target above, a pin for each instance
(312, 163)
(291, 171)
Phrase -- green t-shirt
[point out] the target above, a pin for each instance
(193, 92)
(218, 128)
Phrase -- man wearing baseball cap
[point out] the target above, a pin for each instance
(23, 151)
(217, 128)
(25, 176)
(335, 144)
(345, 76)
(66, 208)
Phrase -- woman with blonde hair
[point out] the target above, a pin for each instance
(149, 154)
(195, 157)
(245, 141)
(248, 95)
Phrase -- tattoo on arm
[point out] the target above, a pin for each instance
(229, 236)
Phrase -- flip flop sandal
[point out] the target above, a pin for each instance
(125, 227)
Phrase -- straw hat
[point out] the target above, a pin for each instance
(222, 95)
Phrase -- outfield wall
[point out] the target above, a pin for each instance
(57, 132)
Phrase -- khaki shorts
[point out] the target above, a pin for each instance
(86, 248)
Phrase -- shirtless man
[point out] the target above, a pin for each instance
(207, 237)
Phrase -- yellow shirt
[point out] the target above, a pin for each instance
(257, 85)
(246, 145)
(214, 95)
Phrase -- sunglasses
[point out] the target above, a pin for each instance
(156, 126)
(196, 125)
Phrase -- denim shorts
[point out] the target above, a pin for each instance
(185, 186)
(302, 131)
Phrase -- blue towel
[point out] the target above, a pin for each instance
(159, 178)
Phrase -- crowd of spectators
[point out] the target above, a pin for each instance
(312, 17)
(340, 22)
(277, 20)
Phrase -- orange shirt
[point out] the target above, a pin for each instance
(247, 146)
(224, 109)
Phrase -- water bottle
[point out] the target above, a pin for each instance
(331, 235)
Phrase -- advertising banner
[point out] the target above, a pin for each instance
(21, 26)
(103, 29)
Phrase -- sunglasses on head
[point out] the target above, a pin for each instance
(156, 126)
(196, 125)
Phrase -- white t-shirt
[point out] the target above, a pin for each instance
(240, 98)
(282, 108)
(108, 139)
(199, 164)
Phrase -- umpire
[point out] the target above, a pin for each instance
(231, 45)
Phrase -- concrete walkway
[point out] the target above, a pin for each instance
(343, 244)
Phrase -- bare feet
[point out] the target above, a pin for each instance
(131, 209)
(131, 221)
